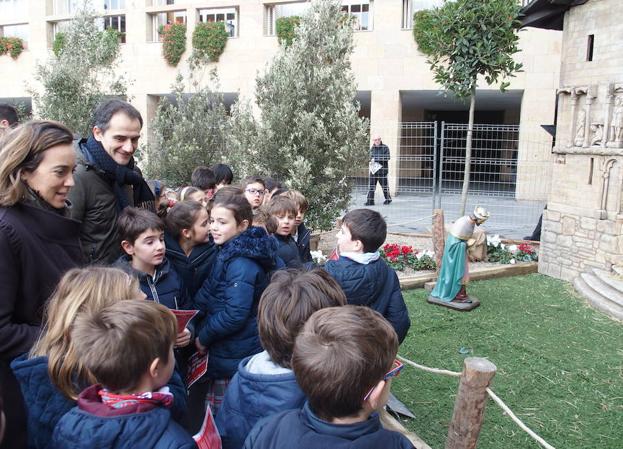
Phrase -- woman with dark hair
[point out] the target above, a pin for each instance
(38, 243)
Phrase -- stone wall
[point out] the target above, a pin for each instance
(583, 223)
(572, 244)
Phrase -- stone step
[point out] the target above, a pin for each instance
(609, 279)
(596, 300)
(606, 290)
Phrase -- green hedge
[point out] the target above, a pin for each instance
(173, 42)
(13, 46)
(286, 29)
(209, 40)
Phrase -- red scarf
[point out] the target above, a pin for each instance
(118, 401)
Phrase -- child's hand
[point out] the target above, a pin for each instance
(202, 349)
(183, 339)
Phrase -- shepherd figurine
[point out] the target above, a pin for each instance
(450, 288)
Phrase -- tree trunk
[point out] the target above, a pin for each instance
(468, 153)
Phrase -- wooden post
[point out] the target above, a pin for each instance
(469, 407)
(438, 236)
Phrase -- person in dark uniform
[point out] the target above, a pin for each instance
(379, 155)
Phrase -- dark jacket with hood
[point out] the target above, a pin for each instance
(251, 397)
(164, 287)
(374, 285)
(95, 205)
(302, 242)
(304, 430)
(288, 251)
(93, 424)
(38, 244)
(46, 404)
(229, 300)
(194, 268)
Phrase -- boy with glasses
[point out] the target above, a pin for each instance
(254, 190)
(344, 361)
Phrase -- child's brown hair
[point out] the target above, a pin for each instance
(182, 216)
(286, 304)
(339, 355)
(133, 222)
(253, 180)
(264, 219)
(368, 226)
(280, 205)
(232, 198)
(118, 343)
(299, 200)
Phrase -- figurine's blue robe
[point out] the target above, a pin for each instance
(452, 269)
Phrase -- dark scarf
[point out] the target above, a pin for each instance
(120, 176)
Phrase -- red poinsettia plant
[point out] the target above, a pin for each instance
(400, 257)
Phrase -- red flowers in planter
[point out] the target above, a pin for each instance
(400, 257)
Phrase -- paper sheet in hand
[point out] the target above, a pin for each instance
(208, 437)
(374, 167)
(183, 318)
(197, 367)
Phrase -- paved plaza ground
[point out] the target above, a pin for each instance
(412, 213)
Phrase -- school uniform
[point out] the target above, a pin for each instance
(259, 389)
(164, 287)
(302, 239)
(305, 430)
(46, 404)
(94, 424)
(368, 281)
(229, 298)
(193, 269)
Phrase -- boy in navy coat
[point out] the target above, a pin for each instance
(343, 360)
(142, 239)
(365, 278)
(265, 383)
(128, 347)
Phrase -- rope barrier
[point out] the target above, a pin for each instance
(491, 394)
(517, 421)
(430, 370)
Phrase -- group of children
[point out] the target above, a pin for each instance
(293, 358)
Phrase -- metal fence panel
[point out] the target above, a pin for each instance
(509, 175)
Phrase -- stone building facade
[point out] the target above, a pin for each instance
(584, 218)
(394, 82)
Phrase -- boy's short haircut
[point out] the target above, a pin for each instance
(203, 178)
(222, 174)
(252, 180)
(340, 354)
(118, 343)
(8, 113)
(299, 199)
(272, 184)
(133, 222)
(261, 217)
(286, 304)
(281, 205)
(368, 226)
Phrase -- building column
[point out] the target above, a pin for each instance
(385, 116)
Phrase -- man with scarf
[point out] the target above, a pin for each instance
(107, 179)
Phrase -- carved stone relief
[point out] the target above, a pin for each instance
(595, 122)
(616, 125)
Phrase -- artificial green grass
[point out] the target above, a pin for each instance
(559, 365)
